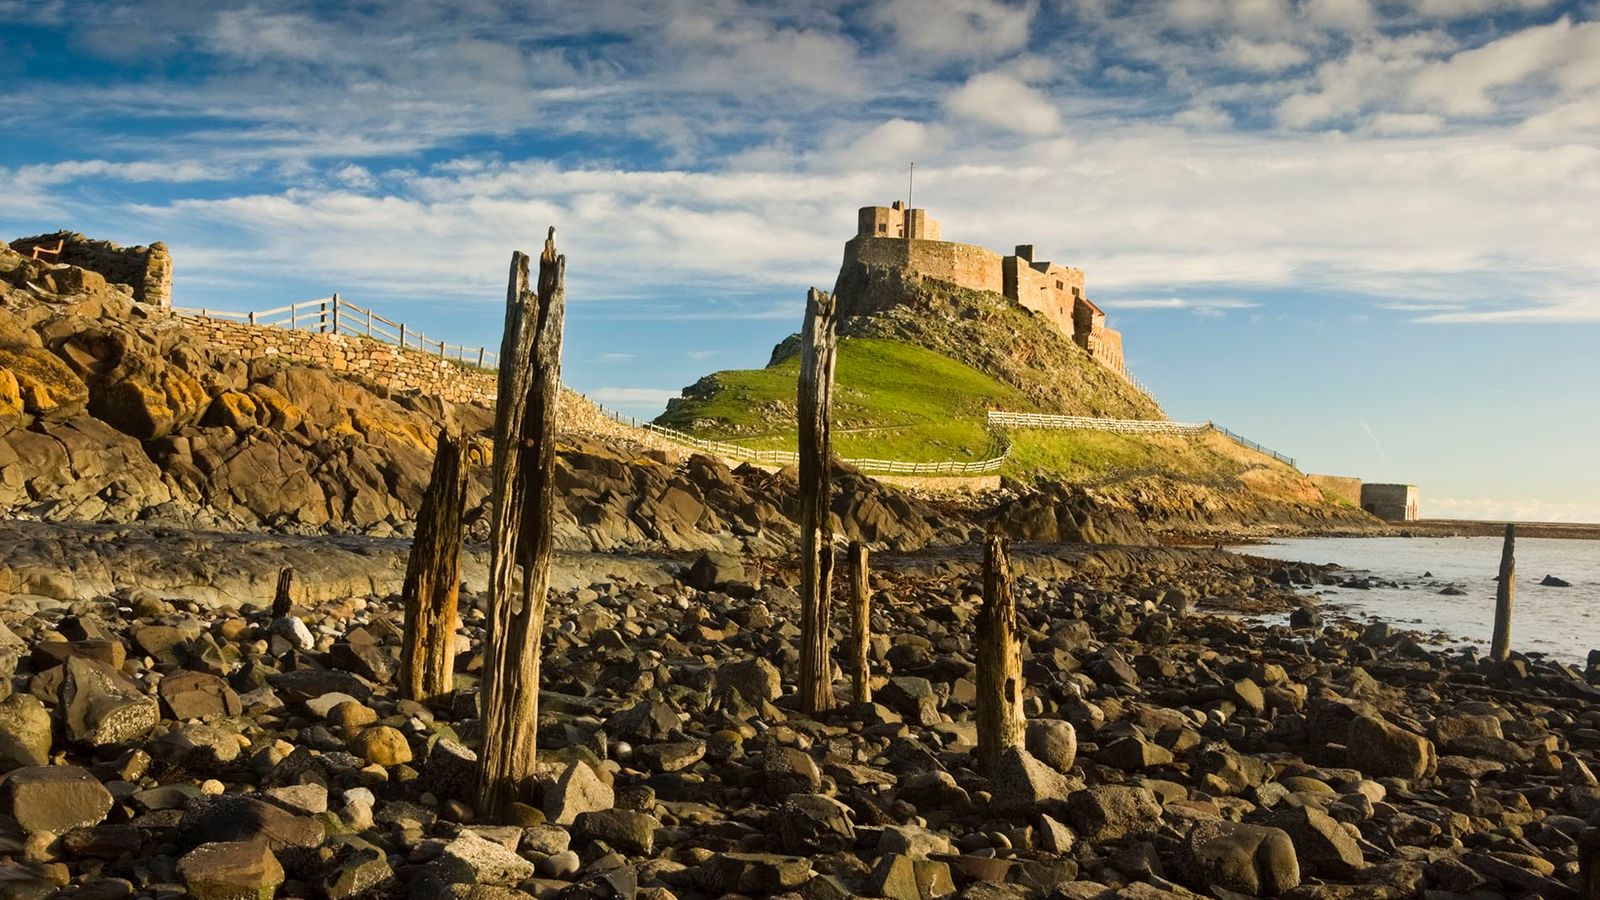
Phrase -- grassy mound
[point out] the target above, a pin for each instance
(891, 400)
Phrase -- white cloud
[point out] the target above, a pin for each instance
(1509, 509)
(1463, 85)
(1463, 9)
(1004, 102)
(1266, 56)
(632, 396)
(956, 29)
(1391, 123)
(895, 141)
(1344, 14)
(1205, 116)
(1197, 305)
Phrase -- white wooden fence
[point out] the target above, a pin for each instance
(335, 315)
(789, 457)
(1000, 419)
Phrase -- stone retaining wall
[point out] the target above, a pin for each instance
(375, 361)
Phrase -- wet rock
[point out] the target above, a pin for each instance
(1553, 581)
(231, 870)
(55, 798)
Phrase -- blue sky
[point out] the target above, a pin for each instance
(1361, 232)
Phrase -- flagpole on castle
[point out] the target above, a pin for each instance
(910, 178)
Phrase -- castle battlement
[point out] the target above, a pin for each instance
(896, 236)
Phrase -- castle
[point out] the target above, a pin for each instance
(899, 237)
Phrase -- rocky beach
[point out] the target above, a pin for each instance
(157, 747)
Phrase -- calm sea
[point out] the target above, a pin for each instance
(1561, 622)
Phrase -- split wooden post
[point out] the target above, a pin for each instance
(1504, 596)
(860, 621)
(281, 604)
(433, 577)
(818, 340)
(521, 509)
(1001, 725)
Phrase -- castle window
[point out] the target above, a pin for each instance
(1059, 285)
(882, 227)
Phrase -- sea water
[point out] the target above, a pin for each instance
(1561, 622)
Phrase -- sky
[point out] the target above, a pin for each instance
(1365, 233)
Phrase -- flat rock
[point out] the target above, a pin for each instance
(231, 870)
(55, 798)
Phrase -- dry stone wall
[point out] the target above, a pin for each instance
(147, 270)
(374, 361)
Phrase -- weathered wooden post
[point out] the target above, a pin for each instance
(335, 304)
(860, 621)
(1504, 596)
(999, 703)
(433, 577)
(520, 516)
(281, 604)
(818, 339)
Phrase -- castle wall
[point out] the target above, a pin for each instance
(148, 270)
(380, 363)
(963, 265)
(1105, 348)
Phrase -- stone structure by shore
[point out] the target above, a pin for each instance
(896, 237)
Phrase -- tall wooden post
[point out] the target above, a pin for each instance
(521, 507)
(860, 621)
(281, 601)
(999, 703)
(1504, 596)
(433, 577)
(818, 339)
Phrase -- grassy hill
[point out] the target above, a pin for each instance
(919, 365)
(891, 400)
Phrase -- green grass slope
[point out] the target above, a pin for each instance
(891, 400)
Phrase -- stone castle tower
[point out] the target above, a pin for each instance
(896, 236)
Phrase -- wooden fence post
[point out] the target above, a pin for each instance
(402, 335)
(281, 603)
(521, 509)
(1504, 596)
(335, 312)
(999, 696)
(433, 577)
(816, 528)
(860, 621)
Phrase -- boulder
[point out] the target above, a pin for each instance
(810, 824)
(102, 706)
(25, 732)
(1322, 845)
(714, 571)
(235, 817)
(55, 798)
(1108, 812)
(579, 790)
(198, 695)
(1248, 859)
(749, 682)
(1381, 749)
(231, 870)
(382, 745)
(631, 832)
(469, 859)
(1021, 784)
(1054, 742)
